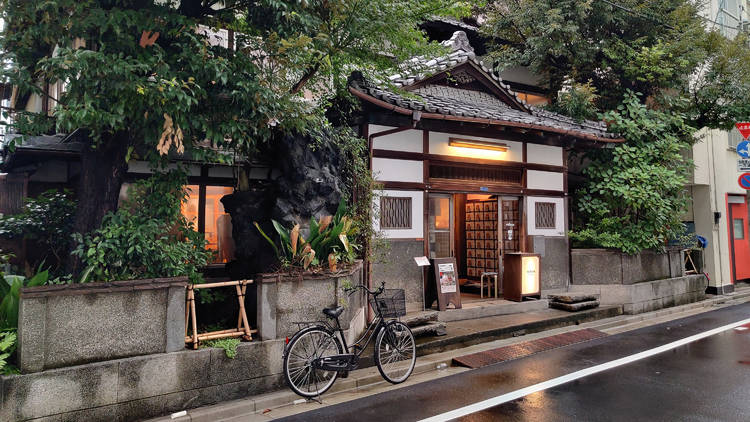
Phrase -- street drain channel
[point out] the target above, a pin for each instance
(527, 348)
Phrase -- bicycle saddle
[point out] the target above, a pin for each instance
(333, 312)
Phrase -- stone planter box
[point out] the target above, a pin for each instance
(284, 300)
(605, 266)
(74, 324)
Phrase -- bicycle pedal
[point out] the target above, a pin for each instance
(343, 374)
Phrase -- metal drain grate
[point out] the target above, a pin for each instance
(527, 348)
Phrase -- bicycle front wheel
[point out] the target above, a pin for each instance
(395, 352)
(306, 346)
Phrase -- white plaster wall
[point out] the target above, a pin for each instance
(439, 145)
(409, 140)
(544, 154)
(392, 170)
(417, 214)
(560, 215)
(546, 180)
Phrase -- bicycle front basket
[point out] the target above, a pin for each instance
(391, 303)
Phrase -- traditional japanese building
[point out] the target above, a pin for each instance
(469, 170)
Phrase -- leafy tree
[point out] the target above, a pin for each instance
(656, 48)
(143, 79)
(655, 71)
(635, 194)
(147, 237)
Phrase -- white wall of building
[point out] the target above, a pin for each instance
(417, 214)
(408, 140)
(546, 180)
(392, 170)
(544, 154)
(715, 176)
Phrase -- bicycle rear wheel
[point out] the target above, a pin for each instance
(306, 346)
(395, 352)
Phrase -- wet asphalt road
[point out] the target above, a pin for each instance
(707, 380)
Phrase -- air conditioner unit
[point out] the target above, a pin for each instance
(745, 26)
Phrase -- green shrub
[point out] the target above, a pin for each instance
(635, 193)
(228, 344)
(46, 219)
(147, 237)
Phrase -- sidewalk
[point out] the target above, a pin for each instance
(490, 333)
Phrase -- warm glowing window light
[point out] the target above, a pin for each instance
(470, 143)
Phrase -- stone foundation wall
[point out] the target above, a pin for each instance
(604, 266)
(141, 387)
(649, 295)
(285, 300)
(80, 323)
(554, 259)
(399, 271)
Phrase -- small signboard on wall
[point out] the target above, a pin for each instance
(443, 284)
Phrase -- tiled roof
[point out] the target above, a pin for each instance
(452, 101)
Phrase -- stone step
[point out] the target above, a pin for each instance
(574, 307)
(414, 319)
(430, 330)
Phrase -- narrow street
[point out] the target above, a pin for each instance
(701, 376)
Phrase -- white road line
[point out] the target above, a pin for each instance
(513, 395)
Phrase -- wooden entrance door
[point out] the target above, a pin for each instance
(740, 238)
(510, 225)
(440, 226)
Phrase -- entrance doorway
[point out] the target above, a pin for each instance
(476, 229)
(739, 242)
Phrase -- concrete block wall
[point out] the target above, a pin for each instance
(650, 295)
(605, 266)
(67, 325)
(286, 300)
(554, 259)
(135, 388)
(399, 271)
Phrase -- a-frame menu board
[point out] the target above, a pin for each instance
(442, 284)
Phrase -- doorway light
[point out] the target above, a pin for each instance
(474, 144)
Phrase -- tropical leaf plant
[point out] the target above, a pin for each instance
(10, 291)
(328, 242)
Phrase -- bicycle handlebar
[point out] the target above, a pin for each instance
(375, 292)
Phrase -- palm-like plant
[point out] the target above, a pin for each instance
(327, 242)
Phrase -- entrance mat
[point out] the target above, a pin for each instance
(527, 348)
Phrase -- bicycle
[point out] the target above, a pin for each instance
(314, 357)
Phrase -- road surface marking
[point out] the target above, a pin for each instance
(513, 395)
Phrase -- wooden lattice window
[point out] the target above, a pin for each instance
(544, 215)
(491, 174)
(395, 212)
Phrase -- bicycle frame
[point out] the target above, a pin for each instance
(352, 353)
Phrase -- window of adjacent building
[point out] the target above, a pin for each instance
(214, 222)
(739, 228)
(544, 215)
(395, 212)
(533, 99)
